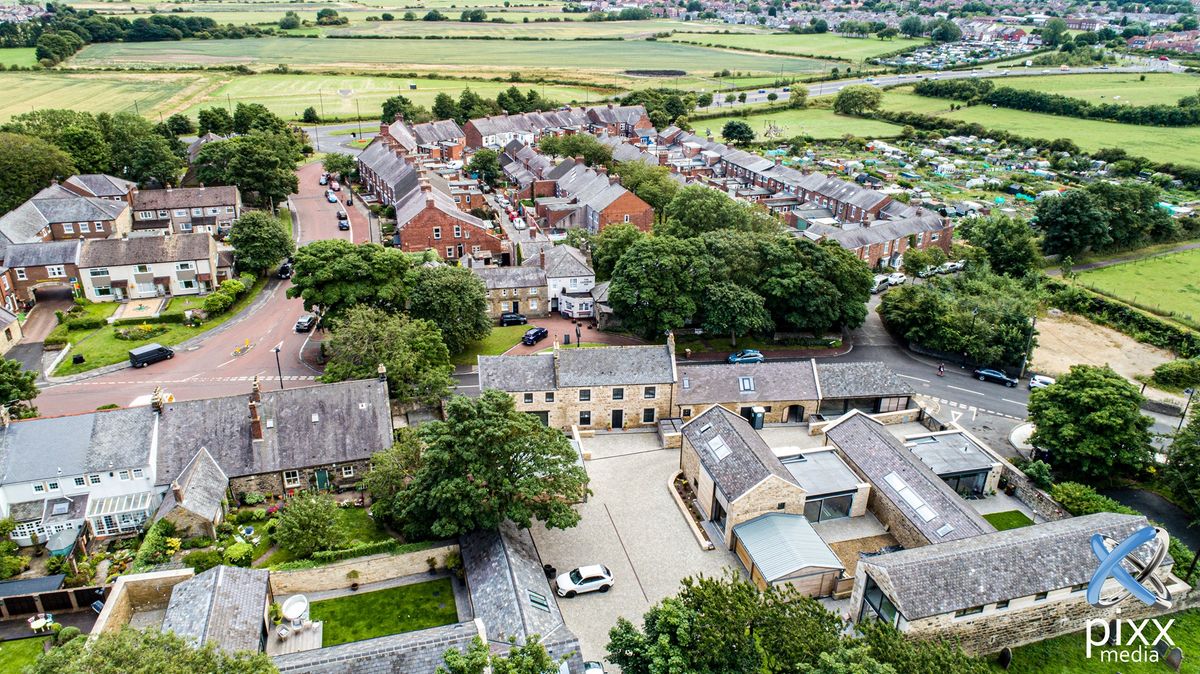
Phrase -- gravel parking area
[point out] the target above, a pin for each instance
(631, 525)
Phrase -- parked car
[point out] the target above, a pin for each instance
(593, 578)
(149, 354)
(519, 224)
(745, 356)
(1040, 381)
(285, 270)
(344, 225)
(897, 279)
(927, 272)
(593, 667)
(331, 197)
(343, 215)
(511, 318)
(988, 374)
(335, 186)
(946, 268)
(325, 180)
(534, 335)
(881, 284)
(306, 323)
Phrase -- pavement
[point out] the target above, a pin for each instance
(226, 360)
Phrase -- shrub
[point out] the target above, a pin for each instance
(1178, 373)
(232, 287)
(259, 514)
(85, 323)
(1039, 472)
(57, 565)
(217, 302)
(67, 634)
(202, 560)
(253, 498)
(154, 546)
(140, 332)
(1080, 499)
(197, 542)
(239, 554)
(173, 545)
(56, 338)
(225, 529)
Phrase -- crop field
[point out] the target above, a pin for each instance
(470, 55)
(18, 56)
(101, 92)
(827, 44)
(1180, 145)
(1158, 88)
(1167, 284)
(559, 30)
(815, 122)
(343, 96)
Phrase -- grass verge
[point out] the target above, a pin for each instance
(1067, 654)
(376, 614)
(15, 656)
(1009, 519)
(500, 340)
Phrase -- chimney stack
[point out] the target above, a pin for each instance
(578, 159)
(542, 258)
(256, 391)
(383, 130)
(177, 492)
(602, 170)
(256, 429)
(614, 180)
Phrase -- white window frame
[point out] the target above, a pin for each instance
(80, 482)
(458, 231)
(293, 481)
(347, 471)
(181, 212)
(123, 475)
(56, 271)
(185, 266)
(20, 272)
(52, 485)
(39, 488)
(138, 473)
(98, 271)
(99, 226)
(94, 478)
(84, 228)
(437, 233)
(68, 228)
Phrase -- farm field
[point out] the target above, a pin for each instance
(18, 56)
(1158, 88)
(827, 44)
(474, 55)
(815, 122)
(1167, 284)
(1181, 145)
(100, 92)
(559, 30)
(344, 96)
(269, 12)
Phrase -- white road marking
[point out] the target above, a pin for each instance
(1014, 402)
(926, 381)
(225, 363)
(965, 390)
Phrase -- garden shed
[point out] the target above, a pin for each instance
(783, 549)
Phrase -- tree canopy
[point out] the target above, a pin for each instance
(485, 165)
(584, 145)
(132, 651)
(307, 524)
(737, 132)
(609, 245)
(260, 241)
(417, 361)
(657, 283)
(455, 300)
(1009, 243)
(261, 163)
(18, 388)
(857, 99)
(335, 275)
(652, 184)
(27, 165)
(528, 658)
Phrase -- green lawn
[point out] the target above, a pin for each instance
(1157, 143)
(1009, 519)
(93, 92)
(1158, 88)
(18, 56)
(101, 347)
(815, 122)
(17, 655)
(500, 340)
(356, 528)
(1067, 654)
(1167, 284)
(376, 614)
(825, 44)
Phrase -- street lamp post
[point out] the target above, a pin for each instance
(1183, 417)
(278, 367)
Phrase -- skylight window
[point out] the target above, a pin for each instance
(746, 384)
(910, 497)
(719, 448)
(944, 530)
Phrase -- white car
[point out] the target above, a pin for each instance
(593, 578)
(593, 667)
(896, 279)
(1040, 381)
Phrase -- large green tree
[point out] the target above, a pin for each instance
(857, 99)
(308, 523)
(215, 120)
(737, 132)
(131, 651)
(528, 658)
(340, 164)
(139, 153)
(485, 165)
(657, 284)
(391, 471)
(1054, 32)
(1072, 223)
(889, 646)
(488, 463)
(418, 364)
(1009, 243)
(18, 388)
(731, 309)
(455, 300)
(609, 245)
(1091, 424)
(1182, 472)
(260, 241)
(261, 163)
(652, 184)
(583, 145)
(27, 165)
(697, 209)
(335, 275)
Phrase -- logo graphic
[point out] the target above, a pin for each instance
(1111, 555)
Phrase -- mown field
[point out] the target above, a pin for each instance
(1165, 284)
(99, 92)
(271, 11)
(339, 96)
(818, 123)
(826, 44)
(558, 30)
(18, 56)
(1181, 145)
(1158, 88)
(473, 55)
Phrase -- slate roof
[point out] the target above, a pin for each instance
(225, 605)
(749, 461)
(777, 380)
(859, 380)
(446, 130)
(880, 231)
(203, 485)
(42, 253)
(394, 171)
(418, 652)
(55, 204)
(15, 588)
(100, 184)
(946, 577)
(185, 197)
(561, 261)
(517, 373)
(7, 317)
(879, 455)
(495, 278)
(780, 544)
(84, 443)
(147, 250)
(410, 204)
(600, 292)
(616, 365)
(353, 422)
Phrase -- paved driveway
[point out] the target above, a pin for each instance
(631, 525)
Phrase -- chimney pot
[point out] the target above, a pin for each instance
(177, 491)
(542, 259)
(602, 170)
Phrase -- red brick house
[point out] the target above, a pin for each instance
(428, 219)
(30, 266)
(591, 199)
(883, 242)
(57, 214)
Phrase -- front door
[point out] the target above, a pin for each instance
(322, 480)
(618, 418)
(795, 414)
(516, 307)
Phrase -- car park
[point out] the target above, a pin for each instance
(896, 279)
(1040, 381)
(745, 356)
(988, 374)
(592, 578)
(512, 318)
(306, 323)
(148, 354)
(534, 335)
(285, 270)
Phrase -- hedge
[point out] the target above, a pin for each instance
(85, 323)
(173, 317)
(1137, 324)
(57, 336)
(391, 545)
(1178, 373)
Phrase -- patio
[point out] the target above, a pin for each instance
(141, 308)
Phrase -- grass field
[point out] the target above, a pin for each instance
(101, 92)
(473, 56)
(1180, 145)
(826, 44)
(814, 122)
(1067, 654)
(561, 30)
(501, 339)
(18, 56)
(15, 656)
(1168, 284)
(1009, 519)
(367, 615)
(1158, 88)
(336, 96)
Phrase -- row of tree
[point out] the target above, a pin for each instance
(469, 105)
(1104, 216)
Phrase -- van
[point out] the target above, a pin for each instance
(148, 354)
(881, 284)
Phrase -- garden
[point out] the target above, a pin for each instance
(367, 615)
(16, 655)
(1009, 519)
(1067, 654)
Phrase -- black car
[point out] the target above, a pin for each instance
(512, 318)
(344, 225)
(988, 374)
(534, 335)
(306, 323)
(342, 215)
(285, 270)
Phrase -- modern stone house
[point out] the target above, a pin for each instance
(870, 387)
(606, 387)
(999, 589)
(520, 290)
(225, 606)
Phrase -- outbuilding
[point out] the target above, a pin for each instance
(783, 549)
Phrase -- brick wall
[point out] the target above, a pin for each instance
(417, 235)
(640, 213)
(371, 569)
(35, 275)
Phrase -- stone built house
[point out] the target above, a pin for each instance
(225, 605)
(194, 503)
(145, 266)
(184, 210)
(10, 327)
(520, 290)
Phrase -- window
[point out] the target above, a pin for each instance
(94, 479)
(585, 395)
(197, 211)
(533, 305)
(103, 291)
(229, 209)
(910, 497)
(549, 397)
(649, 392)
(124, 475)
(79, 482)
(213, 210)
(626, 218)
(99, 226)
(181, 212)
(68, 228)
(828, 507)
(528, 398)
(162, 214)
(52, 486)
(142, 268)
(55, 271)
(504, 292)
(449, 251)
(458, 231)
(1041, 596)
(83, 228)
(974, 610)
(745, 384)
(347, 471)
(648, 415)
(1003, 603)
(532, 291)
(98, 271)
(185, 266)
(437, 233)
(39, 488)
(585, 418)
(8, 334)
(877, 605)
(187, 285)
(21, 274)
(687, 412)
(1082, 587)
(618, 394)
(138, 473)
(574, 282)
(933, 237)
(291, 478)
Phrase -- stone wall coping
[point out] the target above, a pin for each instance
(700, 536)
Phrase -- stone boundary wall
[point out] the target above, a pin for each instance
(371, 569)
(137, 592)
